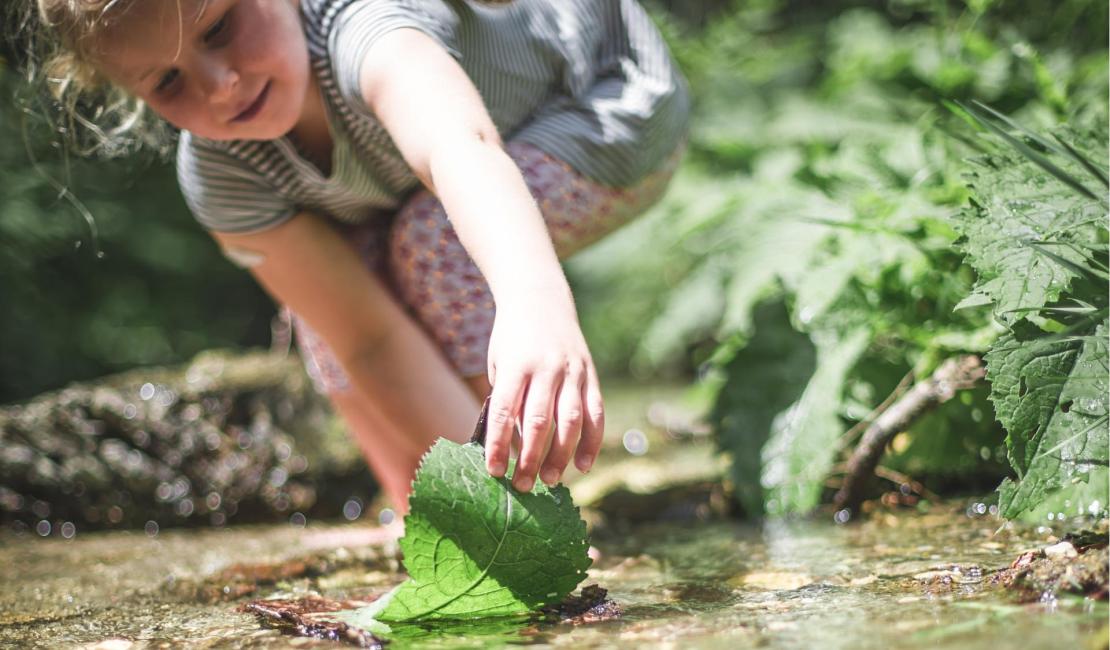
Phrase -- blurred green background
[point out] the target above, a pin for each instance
(812, 215)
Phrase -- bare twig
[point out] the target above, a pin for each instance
(479, 435)
(902, 479)
(851, 434)
(952, 375)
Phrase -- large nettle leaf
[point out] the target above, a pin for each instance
(1024, 232)
(1036, 234)
(474, 547)
(761, 381)
(1051, 395)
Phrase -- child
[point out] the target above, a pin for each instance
(307, 129)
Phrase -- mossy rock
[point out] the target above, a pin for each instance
(228, 437)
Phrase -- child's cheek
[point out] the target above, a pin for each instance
(188, 115)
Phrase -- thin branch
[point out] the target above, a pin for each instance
(850, 435)
(952, 375)
(902, 479)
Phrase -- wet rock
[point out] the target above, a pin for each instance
(945, 578)
(110, 644)
(1026, 558)
(1035, 577)
(698, 592)
(302, 617)
(1061, 551)
(591, 605)
(227, 438)
(670, 482)
(698, 501)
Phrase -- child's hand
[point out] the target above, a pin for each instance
(542, 373)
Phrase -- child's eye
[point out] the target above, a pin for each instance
(216, 30)
(165, 84)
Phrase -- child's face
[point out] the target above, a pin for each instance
(221, 69)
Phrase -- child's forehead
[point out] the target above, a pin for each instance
(147, 34)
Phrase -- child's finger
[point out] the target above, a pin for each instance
(593, 428)
(535, 428)
(568, 428)
(504, 404)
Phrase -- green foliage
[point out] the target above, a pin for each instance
(759, 382)
(1037, 235)
(1051, 395)
(1026, 233)
(475, 547)
(822, 173)
(103, 267)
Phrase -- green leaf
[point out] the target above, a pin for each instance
(802, 447)
(474, 547)
(692, 311)
(1037, 158)
(1051, 395)
(761, 380)
(1016, 208)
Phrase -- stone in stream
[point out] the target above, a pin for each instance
(1082, 568)
(227, 438)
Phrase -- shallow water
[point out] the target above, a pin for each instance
(716, 584)
(902, 579)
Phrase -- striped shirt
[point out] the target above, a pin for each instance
(588, 81)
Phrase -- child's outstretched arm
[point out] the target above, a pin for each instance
(540, 368)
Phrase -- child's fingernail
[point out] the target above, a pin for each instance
(550, 476)
(526, 485)
(584, 463)
(497, 469)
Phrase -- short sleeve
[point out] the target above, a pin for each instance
(223, 193)
(361, 23)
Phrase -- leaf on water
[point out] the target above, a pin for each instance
(474, 547)
(1051, 395)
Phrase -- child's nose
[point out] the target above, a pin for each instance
(219, 82)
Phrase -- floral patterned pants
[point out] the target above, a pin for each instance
(422, 261)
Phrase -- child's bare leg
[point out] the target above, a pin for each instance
(479, 385)
(405, 398)
(382, 445)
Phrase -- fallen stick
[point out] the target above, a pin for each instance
(952, 375)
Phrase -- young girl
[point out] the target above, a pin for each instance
(389, 170)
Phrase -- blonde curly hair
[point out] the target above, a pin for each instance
(92, 115)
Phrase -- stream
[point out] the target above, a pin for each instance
(906, 578)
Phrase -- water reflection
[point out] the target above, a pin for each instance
(920, 581)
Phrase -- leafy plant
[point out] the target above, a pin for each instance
(474, 547)
(1036, 233)
(102, 266)
(804, 260)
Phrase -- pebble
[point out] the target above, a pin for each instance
(1061, 551)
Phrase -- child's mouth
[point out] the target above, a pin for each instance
(255, 107)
